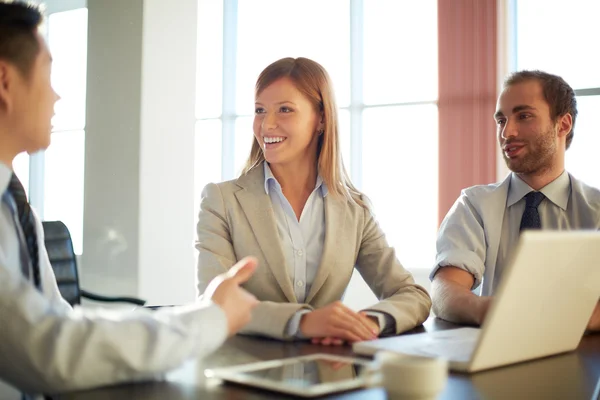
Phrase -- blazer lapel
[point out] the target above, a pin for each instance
(257, 206)
(335, 218)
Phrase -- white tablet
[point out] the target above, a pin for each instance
(306, 376)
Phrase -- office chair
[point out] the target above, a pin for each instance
(59, 246)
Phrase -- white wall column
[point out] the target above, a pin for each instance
(139, 186)
(110, 256)
(167, 221)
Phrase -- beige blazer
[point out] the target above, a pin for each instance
(237, 219)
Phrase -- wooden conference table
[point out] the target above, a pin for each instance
(570, 376)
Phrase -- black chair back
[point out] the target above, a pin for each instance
(59, 246)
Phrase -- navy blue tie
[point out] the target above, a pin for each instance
(27, 222)
(531, 216)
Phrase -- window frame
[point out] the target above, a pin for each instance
(355, 108)
(37, 161)
(513, 52)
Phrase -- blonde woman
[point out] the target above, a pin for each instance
(295, 209)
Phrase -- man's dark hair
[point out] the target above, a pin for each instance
(557, 93)
(19, 22)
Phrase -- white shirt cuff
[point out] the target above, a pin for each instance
(380, 319)
(293, 326)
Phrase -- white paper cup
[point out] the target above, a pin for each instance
(411, 376)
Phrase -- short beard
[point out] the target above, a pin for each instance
(539, 159)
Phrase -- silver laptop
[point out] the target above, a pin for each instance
(541, 308)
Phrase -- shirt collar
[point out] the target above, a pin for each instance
(557, 191)
(5, 175)
(271, 181)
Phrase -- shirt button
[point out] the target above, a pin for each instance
(300, 283)
(299, 253)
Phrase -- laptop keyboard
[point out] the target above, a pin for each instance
(460, 351)
(455, 345)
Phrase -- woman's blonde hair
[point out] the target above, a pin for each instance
(311, 79)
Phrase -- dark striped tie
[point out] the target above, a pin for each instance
(531, 216)
(27, 222)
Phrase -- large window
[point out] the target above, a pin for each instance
(64, 160)
(560, 39)
(61, 178)
(54, 178)
(383, 62)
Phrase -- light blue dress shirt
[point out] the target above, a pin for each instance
(568, 205)
(302, 241)
(552, 210)
(12, 241)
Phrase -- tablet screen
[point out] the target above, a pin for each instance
(306, 373)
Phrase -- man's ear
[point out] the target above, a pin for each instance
(565, 124)
(6, 84)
